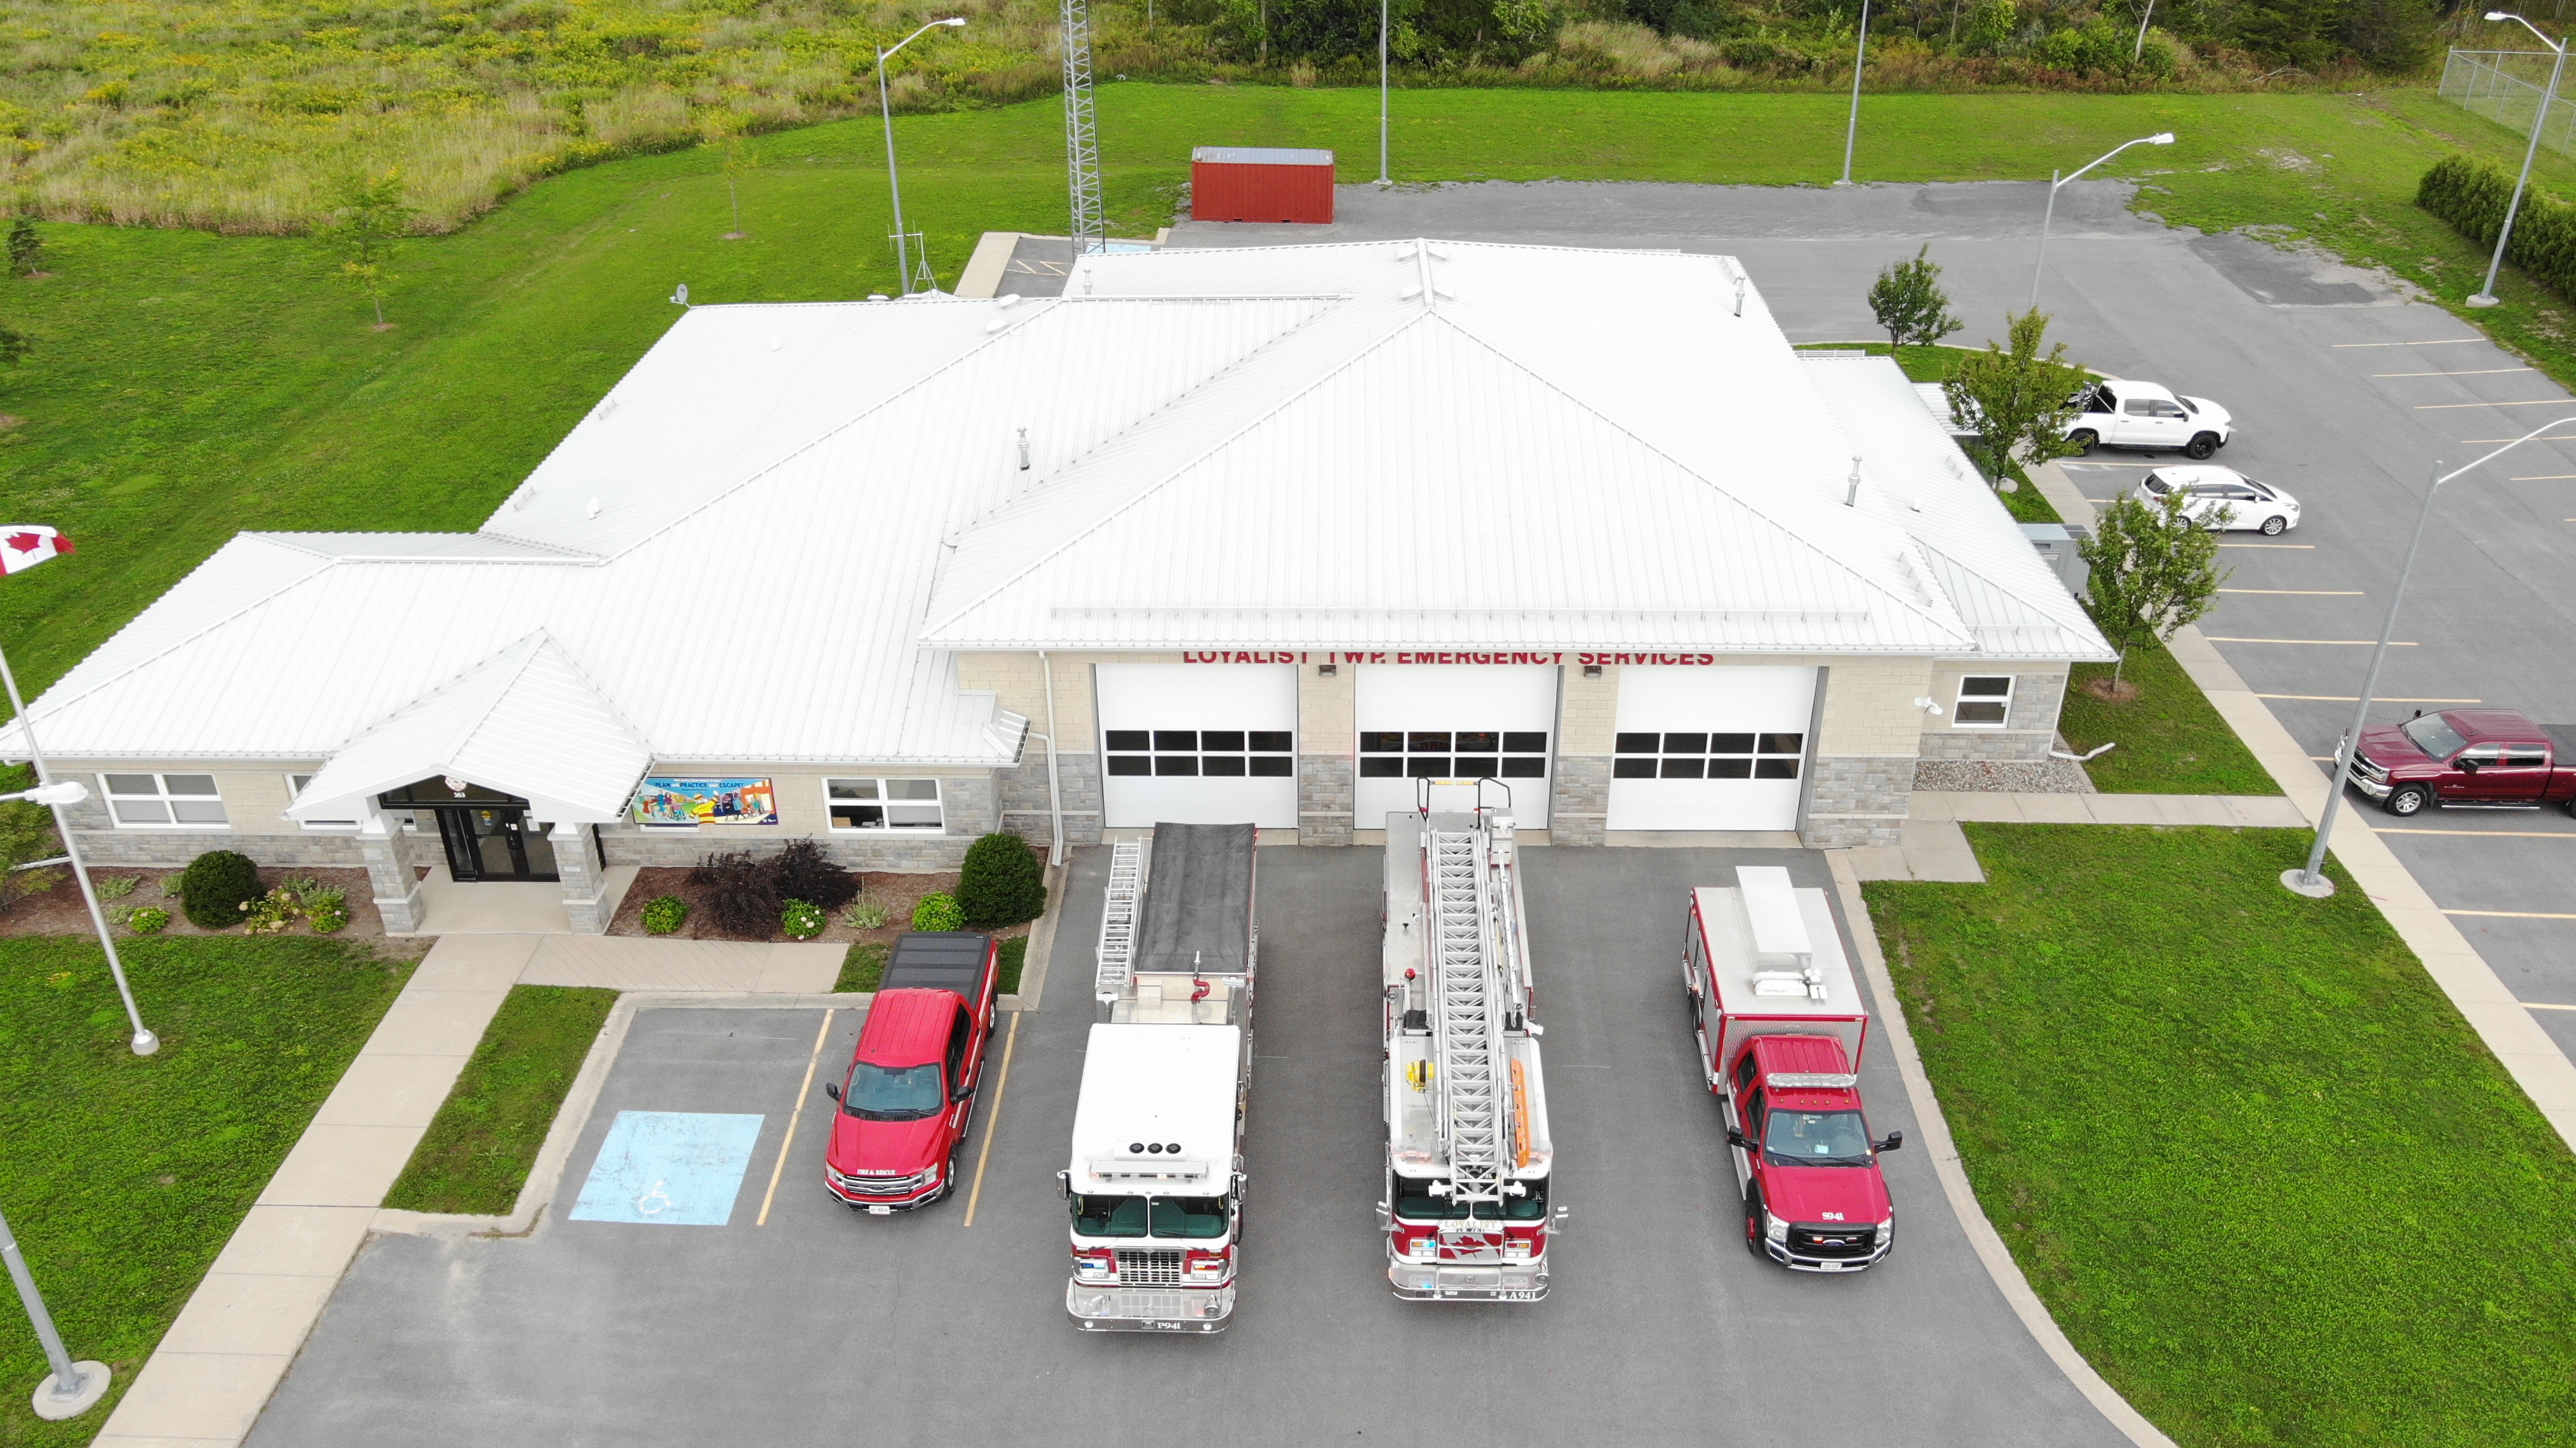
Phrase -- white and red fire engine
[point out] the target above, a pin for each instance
(1468, 1152)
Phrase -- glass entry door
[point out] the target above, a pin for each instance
(494, 842)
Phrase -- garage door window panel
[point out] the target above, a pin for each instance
(1984, 702)
(174, 800)
(1456, 725)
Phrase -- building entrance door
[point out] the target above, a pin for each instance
(487, 834)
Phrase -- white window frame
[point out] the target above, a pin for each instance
(162, 796)
(878, 783)
(1961, 700)
(295, 786)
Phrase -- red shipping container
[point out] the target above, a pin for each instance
(1261, 183)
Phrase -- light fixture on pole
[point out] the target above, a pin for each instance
(23, 546)
(2309, 879)
(72, 1388)
(885, 107)
(2485, 295)
(1851, 129)
(1381, 93)
(2160, 138)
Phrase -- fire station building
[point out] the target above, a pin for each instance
(1288, 535)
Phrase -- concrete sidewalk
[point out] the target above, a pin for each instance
(2232, 811)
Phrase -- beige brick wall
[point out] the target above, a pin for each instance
(2034, 705)
(1018, 683)
(1869, 705)
(1587, 711)
(1327, 710)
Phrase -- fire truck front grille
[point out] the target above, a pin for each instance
(1817, 1241)
(1149, 1269)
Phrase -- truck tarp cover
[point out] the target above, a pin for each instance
(1198, 901)
(939, 960)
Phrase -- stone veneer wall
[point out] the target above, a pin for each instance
(1325, 796)
(2030, 725)
(1328, 753)
(1024, 809)
(1856, 800)
(1578, 810)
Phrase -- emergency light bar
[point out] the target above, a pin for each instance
(1825, 1080)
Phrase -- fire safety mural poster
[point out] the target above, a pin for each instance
(706, 802)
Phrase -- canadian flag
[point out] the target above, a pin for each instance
(24, 545)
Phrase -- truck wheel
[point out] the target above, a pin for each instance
(2085, 439)
(1753, 1222)
(2275, 526)
(2408, 799)
(2200, 446)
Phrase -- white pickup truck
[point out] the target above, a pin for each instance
(2124, 412)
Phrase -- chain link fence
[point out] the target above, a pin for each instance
(2505, 87)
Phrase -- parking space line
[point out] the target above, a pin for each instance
(2472, 372)
(2553, 437)
(2513, 914)
(2543, 1006)
(993, 1122)
(2362, 643)
(2531, 402)
(2436, 342)
(2545, 478)
(793, 1116)
(2306, 547)
(2510, 834)
(2355, 699)
(2077, 464)
(2303, 592)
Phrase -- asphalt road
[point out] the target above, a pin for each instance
(2343, 393)
(825, 1326)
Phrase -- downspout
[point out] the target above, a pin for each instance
(1055, 787)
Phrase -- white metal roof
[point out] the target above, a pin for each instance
(768, 539)
(1157, 1086)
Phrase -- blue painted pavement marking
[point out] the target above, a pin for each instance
(677, 1168)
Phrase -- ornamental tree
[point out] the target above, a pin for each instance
(371, 216)
(1909, 303)
(2154, 570)
(2019, 400)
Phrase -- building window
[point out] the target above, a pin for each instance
(885, 804)
(172, 800)
(295, 786)
(1985, 701)
(1208, 753)
(1689, 755)
(1453, 754)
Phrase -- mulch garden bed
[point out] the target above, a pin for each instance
(59, 911)
(897, 893)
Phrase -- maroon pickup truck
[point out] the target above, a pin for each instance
(2490, 758)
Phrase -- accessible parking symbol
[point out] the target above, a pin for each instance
(675, 1168)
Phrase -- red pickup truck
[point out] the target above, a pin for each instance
(910, 1091)
(2490, 758)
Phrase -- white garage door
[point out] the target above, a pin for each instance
(1454, 721)
(1710, 748)
(1198, 744)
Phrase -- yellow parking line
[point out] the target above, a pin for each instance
(2532, 402)
(2364, 643)
(2436, 342)
(2304, 592)
(2543, 1006)
(2354, 699)
(2472, 372)
(2511, 834)
(2553, 437)
(792, 1117)
(2311, 547)
(2545, 478)
(2513, 914)
(993, 1122)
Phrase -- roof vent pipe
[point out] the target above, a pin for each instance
(1851, 496)
(1024, 449)
(1739, 294)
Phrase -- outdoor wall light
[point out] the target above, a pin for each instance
(1928, 705)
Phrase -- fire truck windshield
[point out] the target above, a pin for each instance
(1172, 1217)
(894, 1093)
(1815, 1138)
(1415, 1203)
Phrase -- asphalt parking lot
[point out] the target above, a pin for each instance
(2343, 392)
(822, 1324)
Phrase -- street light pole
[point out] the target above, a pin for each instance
(2160, 138)
(1381, 93)
(2485, 295)
(1851, 129)
(894, 184)
(144, 1042)
(2308, 879)
(71, 1387)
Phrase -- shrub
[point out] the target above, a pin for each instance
(803, 872)
(864, 914)
(801, 921)
(938, 912)
(2472, 197)
(327, 911)
(738, 893)
(114, 887)
(664, 914)
(271, 913)
(217, 888)
(1001, 882)
(150, 920)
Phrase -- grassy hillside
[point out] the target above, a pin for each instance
(187, 385)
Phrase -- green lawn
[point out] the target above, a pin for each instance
(2171, 740)
(2262, 1173)
(123, 1176)
(486, 1134)
(864, 965)
(188, 385)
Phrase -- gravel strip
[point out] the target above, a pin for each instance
(2050, 776)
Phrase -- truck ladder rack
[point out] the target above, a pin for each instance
(1469, 1032)
(1117, 952)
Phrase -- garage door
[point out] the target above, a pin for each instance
(1197, 744)
(1710, 749)
(1454, 721)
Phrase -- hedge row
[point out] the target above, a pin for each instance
(2472, 197)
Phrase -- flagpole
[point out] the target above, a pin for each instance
(145, 1043)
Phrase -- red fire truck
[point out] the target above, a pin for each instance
(1467, 1152)
(1781, 1026)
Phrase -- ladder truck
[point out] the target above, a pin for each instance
(1467, 1146)
(1155, 1184)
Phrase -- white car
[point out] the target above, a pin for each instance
(2124, 412)
(2216, 497)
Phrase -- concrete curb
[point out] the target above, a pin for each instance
(1991, 1251)
(1033, 966)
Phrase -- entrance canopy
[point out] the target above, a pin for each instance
(524, 722)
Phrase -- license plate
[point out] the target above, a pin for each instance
(1831, 1266)
(1516, 1297)
(880, 1211)
(1153, 1326)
